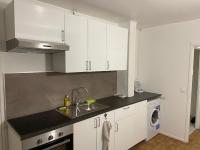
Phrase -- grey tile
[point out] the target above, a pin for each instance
(36, 92)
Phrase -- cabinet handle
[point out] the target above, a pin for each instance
(86, 65)
(116, 127)
(99, 121)
(90, 65)
(126, 108)
(63, 35)
(95, 123)
(108, 65)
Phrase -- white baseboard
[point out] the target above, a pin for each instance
(174, 137)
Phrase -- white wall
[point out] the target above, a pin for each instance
(2, 28)
(18, 63)
(14, 62)
(164, 61)
(1, 106)
(125, 79)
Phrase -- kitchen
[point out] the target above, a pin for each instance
(107, 66)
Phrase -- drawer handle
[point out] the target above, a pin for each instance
(46, 46)
(125, 108)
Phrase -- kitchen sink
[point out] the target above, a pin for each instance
(83, 109)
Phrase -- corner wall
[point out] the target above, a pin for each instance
(164, 63)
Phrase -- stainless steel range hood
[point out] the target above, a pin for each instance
(23, 46)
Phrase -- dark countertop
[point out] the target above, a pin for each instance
(40, 123)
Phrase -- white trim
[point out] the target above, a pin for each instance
(174, 137)
(197, 121)
(29, 72)
(2, 108)
(189, 91)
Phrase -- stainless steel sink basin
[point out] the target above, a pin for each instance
(84, 109)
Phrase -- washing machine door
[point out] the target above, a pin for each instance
(154, 118)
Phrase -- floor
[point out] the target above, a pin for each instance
(161, 142)
(192, 128)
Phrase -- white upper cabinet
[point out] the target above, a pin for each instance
(97, 45)
(76, 37)
(35, 20)
(117, 44)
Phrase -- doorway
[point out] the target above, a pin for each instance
(195, 94)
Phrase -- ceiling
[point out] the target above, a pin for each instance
(148, 13)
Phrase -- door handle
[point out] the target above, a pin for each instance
(116, 127)
(99, 121)
(90, 65)
(63, 35)
(86, 65)
(108, 65)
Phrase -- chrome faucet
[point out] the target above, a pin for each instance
(76, 97)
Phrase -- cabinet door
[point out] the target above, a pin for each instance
(117, 47)
(124, 133)
(84, 133)
(140, 123)
(124, 125)
(38, 21)
(76, 37)
(97, 51)
(131, 127)
(101, 118)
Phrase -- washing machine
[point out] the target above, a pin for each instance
(153, 118)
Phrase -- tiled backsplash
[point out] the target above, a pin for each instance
(36, 92)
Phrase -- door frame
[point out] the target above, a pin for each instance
(193, 46)
(197, 122)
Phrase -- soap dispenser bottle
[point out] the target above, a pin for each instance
(67, 101)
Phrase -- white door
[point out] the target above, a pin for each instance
(97, 49)
(38, 21)
(109, 117)
(84, 133)
(117, 47)
(76, 37)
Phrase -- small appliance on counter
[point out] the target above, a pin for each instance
(138, 87)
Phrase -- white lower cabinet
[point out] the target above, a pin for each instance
(110, 118)
(129, 127)
(88, 133)
(85, 134)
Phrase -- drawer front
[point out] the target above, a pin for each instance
(124, 112)
(129, 110)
